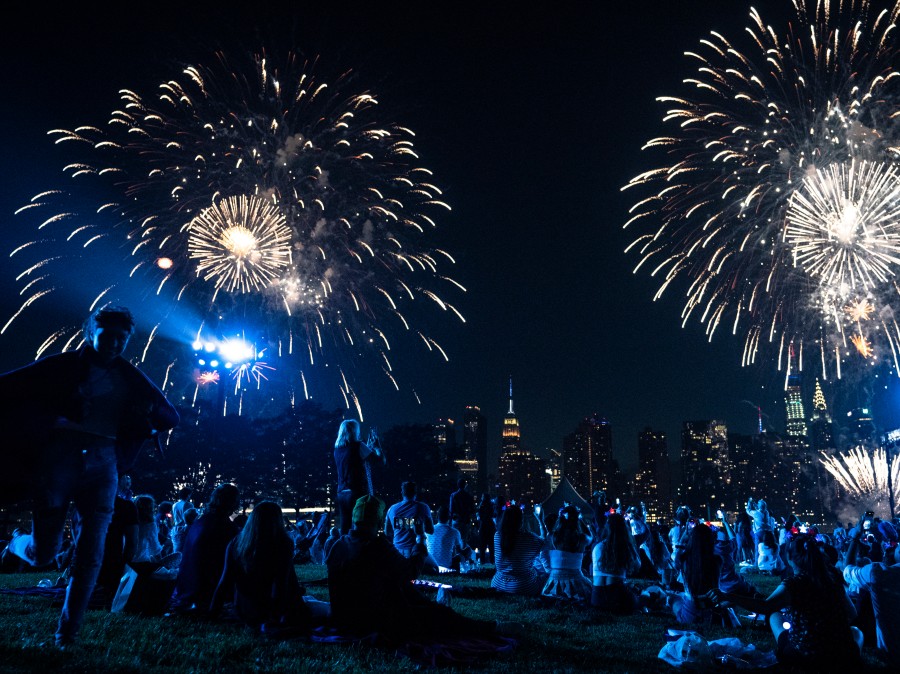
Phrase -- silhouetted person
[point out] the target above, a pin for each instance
(203, 553)
(350, 457)
(87, 413)
(259, 577)
(369, 583)
(462, 508)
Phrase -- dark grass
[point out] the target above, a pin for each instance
(559, 639)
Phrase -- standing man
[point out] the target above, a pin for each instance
(462, 508)
(85, 415)
(407, 520)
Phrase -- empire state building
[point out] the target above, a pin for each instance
(511, 438)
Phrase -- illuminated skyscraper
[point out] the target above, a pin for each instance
(445, 435)
(511, 434)
(793, 401)
(821, 428)
(653, 483)
(705, 465)
(475, 446)
(587, 457)
(522, 475)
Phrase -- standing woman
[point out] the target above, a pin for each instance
(350, 457)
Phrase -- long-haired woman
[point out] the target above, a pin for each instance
(614, 558)
(700, 572)
(568, 541)
(259, 574)
(148, 548)
(515, 553)
(350, 457)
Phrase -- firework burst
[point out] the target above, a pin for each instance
(780, 202)
(259, 193)
(241, 243)
(863, 474)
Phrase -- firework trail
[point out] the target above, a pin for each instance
(778, 206)
(863, 474)
(259, 194)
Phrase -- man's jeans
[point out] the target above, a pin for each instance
(79, 468)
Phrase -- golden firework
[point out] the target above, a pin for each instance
(241, 243)
(859, 310)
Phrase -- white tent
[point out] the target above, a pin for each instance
(563, 495)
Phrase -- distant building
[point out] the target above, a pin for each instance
(445, 435)
(523, 477)
(510, 434)
(588, 457)
(793, 399)
(861, 425)
(653, 482)
(821, 427)
(705, 465)
(555, 469)
(475, 446)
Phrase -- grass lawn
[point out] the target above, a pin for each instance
(559, 639)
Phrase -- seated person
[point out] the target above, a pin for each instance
(203, 554)
(120, 546)
(404, 517)
(614, 558)
(881, 581)
(371, 590)
(259, 577)
(809, 612)
(725, 549)
(569, 540)
(769, 561)
(148, 547)
(445, 545)
(699, 567)
(520, 556)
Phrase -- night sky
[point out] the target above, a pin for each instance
(532, 119)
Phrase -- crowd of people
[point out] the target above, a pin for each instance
(837, 590)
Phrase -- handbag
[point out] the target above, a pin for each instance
(141, 591)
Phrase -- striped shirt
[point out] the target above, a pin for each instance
(524, 570)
